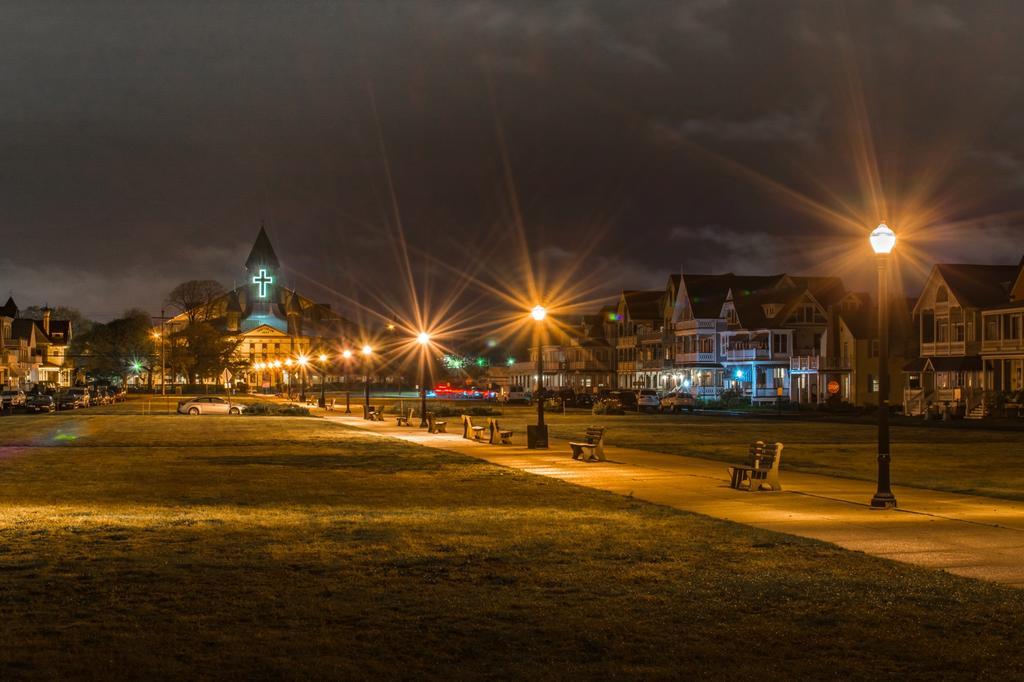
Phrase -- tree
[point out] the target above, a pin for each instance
(114, 350)
(79, 324)
(194, 298)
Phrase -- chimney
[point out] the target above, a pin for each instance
(47, 311)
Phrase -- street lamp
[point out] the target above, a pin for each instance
(346, 355)
(423, 338)
(882, 241)
(367, 351)
(539, 314)
(303, 361)
(323, 379)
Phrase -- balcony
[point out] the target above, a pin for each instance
(747, 354)
(651, 337)
(696, 358)
(626, 341)
(655, 364)
(586, 366)
(810, 364)
(998, 345)
(705, 325)
(944, 349)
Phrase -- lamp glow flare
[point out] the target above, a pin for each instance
(883, 239)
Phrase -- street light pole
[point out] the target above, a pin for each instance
(367, 352)
(883, 240)
(423, 339)
(539, 314)
(346, 356)
(323, 380)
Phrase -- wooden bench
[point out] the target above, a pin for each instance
(376, 414)
(435, 426)
(761, 470)
(329, 405)
(404, 419)
(468, 428)
(593, 448)
(498, 434)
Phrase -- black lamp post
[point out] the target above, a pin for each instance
(323, 380)
(883, 240)
(424, 340)
(303, 362)
(367, 352)
(346, 356)
(539, 314)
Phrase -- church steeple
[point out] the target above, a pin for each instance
(262, 254)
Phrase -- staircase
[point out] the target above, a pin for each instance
(976, 412)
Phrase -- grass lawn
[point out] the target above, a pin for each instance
(142, 546)
(974, 461)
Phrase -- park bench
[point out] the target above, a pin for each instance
(467, 428)
(593, 448)
(330, 404)
(761, 470)
(499, 435)
(404, 419)
(435, 426)
(376, 414)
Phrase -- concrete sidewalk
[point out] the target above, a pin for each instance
(977, 537)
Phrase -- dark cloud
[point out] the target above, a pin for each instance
(143, 143)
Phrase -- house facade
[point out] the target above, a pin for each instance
(33, 351)
(956, 304)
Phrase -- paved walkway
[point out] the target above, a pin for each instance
(971, 536)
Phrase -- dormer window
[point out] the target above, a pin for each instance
(942, 295)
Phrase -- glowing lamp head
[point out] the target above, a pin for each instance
(277, 363)
(538, 313)
(288, 362)
(739, 374)
(322, 357)
(883, 239)
(137, 366)
(423, 338)
(346, 354)
(367, 350)
(303, 361)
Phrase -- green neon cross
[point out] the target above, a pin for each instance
(263, 280)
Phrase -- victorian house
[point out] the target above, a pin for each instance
(956, 304)
(643, 339)
(1002, 343)
(33, 352)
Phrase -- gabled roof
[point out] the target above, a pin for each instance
(10, 309)
(707, 293)
(827, 290)
(643, 305)
(22, 328)
(751, 308)
(978, 286)
(262, 253)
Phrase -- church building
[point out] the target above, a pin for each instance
(272, 325)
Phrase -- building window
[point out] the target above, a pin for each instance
(928, 326)
(874, 349)
(942, 295)
(991, 328)
(942, 330)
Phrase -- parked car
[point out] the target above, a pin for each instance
(40, 402)
(674, 401)
(208, 405)
(73, 398)
(517, 394)
(626, 399)
(12, 397)
(584, 400)
(647, 399)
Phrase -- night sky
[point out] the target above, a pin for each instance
(142, 143)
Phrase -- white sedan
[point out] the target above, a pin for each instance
(208, 405)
